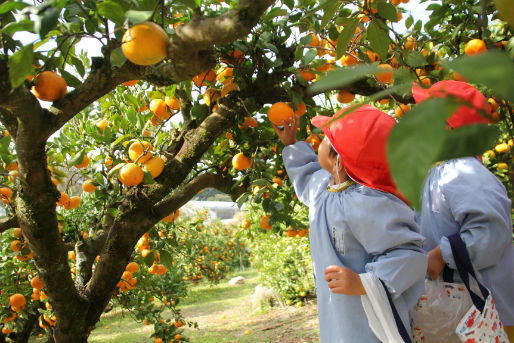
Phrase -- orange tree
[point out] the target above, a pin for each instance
(172, 102)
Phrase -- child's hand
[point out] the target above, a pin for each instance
(288, 135)
(436, 263)
(343, 280)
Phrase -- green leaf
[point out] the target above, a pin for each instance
(493, 69)
(22, 25)
(378, 39)
(189, 3)
(147, 179)
(20, 65)
(115, 170)
(408, 22)
(469, 140)
(387, 11)
(10, 6)
(329, 12)
(337, 79)
(46, 20)
(199, 111)
(136, 17)
(345, 36)
(78, 158)
(413, 146)
(310, 56)
(416, 59)
(71, 80)
(275, 12)
(117, 57)
(112, 11)
(166, 258)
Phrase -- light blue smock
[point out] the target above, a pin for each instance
(462, 195)
(360, 228)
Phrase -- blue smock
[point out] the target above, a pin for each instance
(360, 228)
(463, 196)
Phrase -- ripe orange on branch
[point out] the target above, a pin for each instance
(155, 166)
(49, 86)
(208, 75)
(386, 73)
(172, 103)
(280, 111)
(145, 44)
(140, 148)
(264, 223)
(88, 186)
(158, 107)
(5, 195)
(475, 46)
(131, 174)
(17, 302)
(241, 162)
(345, 97)
(171, 217)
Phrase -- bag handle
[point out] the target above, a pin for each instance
(465, 269)
(399, 323)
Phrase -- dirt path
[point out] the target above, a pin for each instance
(225, 312)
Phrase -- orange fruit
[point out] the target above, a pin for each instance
(373, 56)
(280, 111)
(158, 340)
(307, 75)
(145, 44)
(277, 180)
(49, 86)
(475, 46)
(291, 233)
(5, 195)
(171, 217)
(241, 162)
(108, 161)
(248, 122)
(410, 43)
(131, 174)
(225, 75)
(345, 97)
(494, 104)
(74, 202)
(140, 151)
(101, 124)
(300, 109)
(64, 200)
(425, 81)
(502, 166)
(155, 121)
(229, 87)
(6, 330)
(502, 147)
(36, 282)
(386, 75)
(17, 301)
(314, 141)
(155, 166)
(401, 110)
(130, 83)
(17, 232)
(16, 245)
(88, 186)
(84, 163)
(264, 224)
(13, 174)
(11, 166)
(71, 255)
(348, 60)
(132, 267)
(172, 103)
(245, 224)
(211, 95)
(234, 57)
(158, 107)
(208, 75)
(459, 77)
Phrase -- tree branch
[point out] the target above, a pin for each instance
(8, 223)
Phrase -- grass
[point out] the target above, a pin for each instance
(223, 313)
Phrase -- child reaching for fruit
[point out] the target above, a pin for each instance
(359, 221)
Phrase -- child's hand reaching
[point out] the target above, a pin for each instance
(436, 263)
(343, 280)
(288, 135)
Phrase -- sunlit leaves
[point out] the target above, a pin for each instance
(20, 65)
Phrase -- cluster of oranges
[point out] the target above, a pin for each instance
(127, 281)
(300, 233)
(140, 153)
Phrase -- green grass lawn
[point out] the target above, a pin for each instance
(223, 313)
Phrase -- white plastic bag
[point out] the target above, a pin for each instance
(378, 310)
(438, 312)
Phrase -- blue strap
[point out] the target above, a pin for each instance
(465, 269)
(399, 323)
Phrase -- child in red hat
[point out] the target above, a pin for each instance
(463, 196)
(359, 221)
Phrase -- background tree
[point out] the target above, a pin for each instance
(195, 117)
